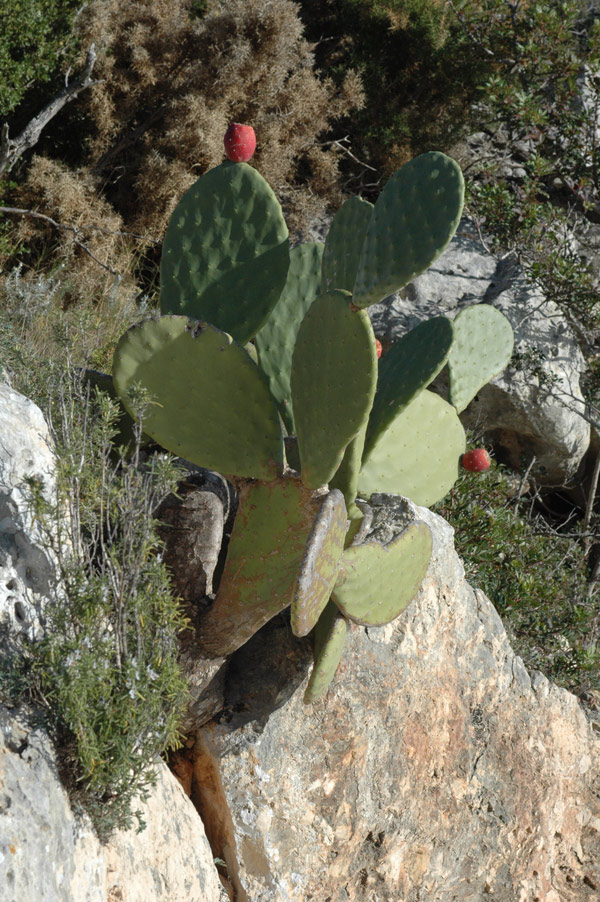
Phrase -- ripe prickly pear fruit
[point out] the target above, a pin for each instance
(476, 460)
(240, 142)
(378, 348)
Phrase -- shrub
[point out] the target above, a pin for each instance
(535, 576)
(173, 79)
(34, 40)
(106, 667)
(419, 75)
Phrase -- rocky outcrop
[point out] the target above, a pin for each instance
(533, 410)
(50, 854)
(26, 571)
(436, 768)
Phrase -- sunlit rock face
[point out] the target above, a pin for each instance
(436, 768)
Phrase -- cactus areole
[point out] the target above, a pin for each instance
(264, 367)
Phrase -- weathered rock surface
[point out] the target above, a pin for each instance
(26, 571)
(435, 769)
(48, 854)
(526, 417)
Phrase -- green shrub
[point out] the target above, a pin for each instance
(535, 576)
(34, 40)
(106, 668)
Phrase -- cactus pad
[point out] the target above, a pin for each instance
(320, 564)
(330, 638)
(266, 548)
(483, 346)
(418, 454)
(408, 367)
(377, 582)
(414, 219)
(211, 404)
(276, 339)
(225, 252)
(334, 372)
(344, 243)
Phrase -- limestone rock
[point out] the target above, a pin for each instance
(26, 571)
(526, 416)
(49, 854)
(436, 768)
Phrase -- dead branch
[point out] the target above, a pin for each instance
(76, 232)
(13, 148)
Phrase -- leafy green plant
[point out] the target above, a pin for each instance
(106, 667)
(34, 36)
(352, 429)
(535, 575)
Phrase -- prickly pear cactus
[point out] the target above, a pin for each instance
(226, 252)
(257, 341)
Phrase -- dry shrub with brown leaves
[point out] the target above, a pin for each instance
(172, 82)
(85, 244)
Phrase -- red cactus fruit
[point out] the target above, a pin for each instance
(240, 142)
(378, 348)
(476, 460)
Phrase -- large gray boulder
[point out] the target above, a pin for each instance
(532, 411)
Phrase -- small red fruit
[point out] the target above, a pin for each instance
(240, 142)
(476, 460)
(378, 348)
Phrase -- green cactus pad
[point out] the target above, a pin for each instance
(483, 346)
(320, 564)
(407, 368)
(414, 219)
(418, 454)
(346, 476)
(276, 340)
(344, 243)
(330, 638)
(334, 372)
(266, 548)
(211, 404)
(376, 582)
(225, 253)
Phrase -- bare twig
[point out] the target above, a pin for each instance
(589, 508)
(67, 228)
(13, 148)
(524, 479)
(339, 143)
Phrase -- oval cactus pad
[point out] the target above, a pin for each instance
(226, 252)
(271, 529)
(377, 582)
(330, 638)
(418, 454)
(414, 219)
(408, 367)
(483, 346)
(334, 373)
(320, 564)
(210, 402)
(276, 339)
(344, 243)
